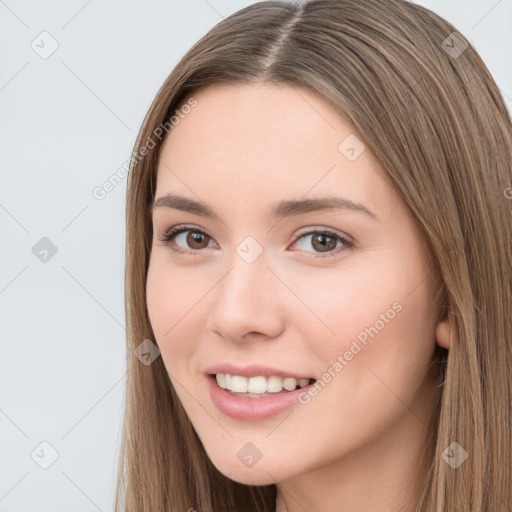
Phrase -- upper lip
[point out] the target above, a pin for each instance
(253, 370)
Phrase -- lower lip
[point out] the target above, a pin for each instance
(252, 409)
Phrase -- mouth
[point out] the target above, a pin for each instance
(259, 386)
(255, 392)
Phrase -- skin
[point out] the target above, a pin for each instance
(356, 444)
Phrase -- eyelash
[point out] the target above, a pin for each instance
(170, 235)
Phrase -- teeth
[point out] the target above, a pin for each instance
(289, 383)
(238, 384)
(258, 385)
(274, 384)
(221, 380)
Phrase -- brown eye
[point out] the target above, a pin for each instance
(323, 243)
(196, 240)
(187, 239)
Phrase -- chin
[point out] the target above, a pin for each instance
(249, 477)
(259, 474)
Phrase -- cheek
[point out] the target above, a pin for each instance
(337, 305)
(172, 292)
(376, 311)
(172, 299)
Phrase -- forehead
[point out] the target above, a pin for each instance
(256, 143)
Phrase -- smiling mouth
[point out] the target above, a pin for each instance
(260, 386)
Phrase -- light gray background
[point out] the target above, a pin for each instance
(68, 122)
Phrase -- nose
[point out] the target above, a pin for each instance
(248, 302)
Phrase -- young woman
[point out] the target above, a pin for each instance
(318, 274)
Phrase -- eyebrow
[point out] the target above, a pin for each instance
(280, 209)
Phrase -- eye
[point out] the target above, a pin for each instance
(193, 238)
(323, 241)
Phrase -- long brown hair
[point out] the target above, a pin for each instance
(428, 108)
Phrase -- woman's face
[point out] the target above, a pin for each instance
(299, 262)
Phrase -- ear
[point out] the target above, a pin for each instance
(443, 333)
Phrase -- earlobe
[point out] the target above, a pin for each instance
(443, 333)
